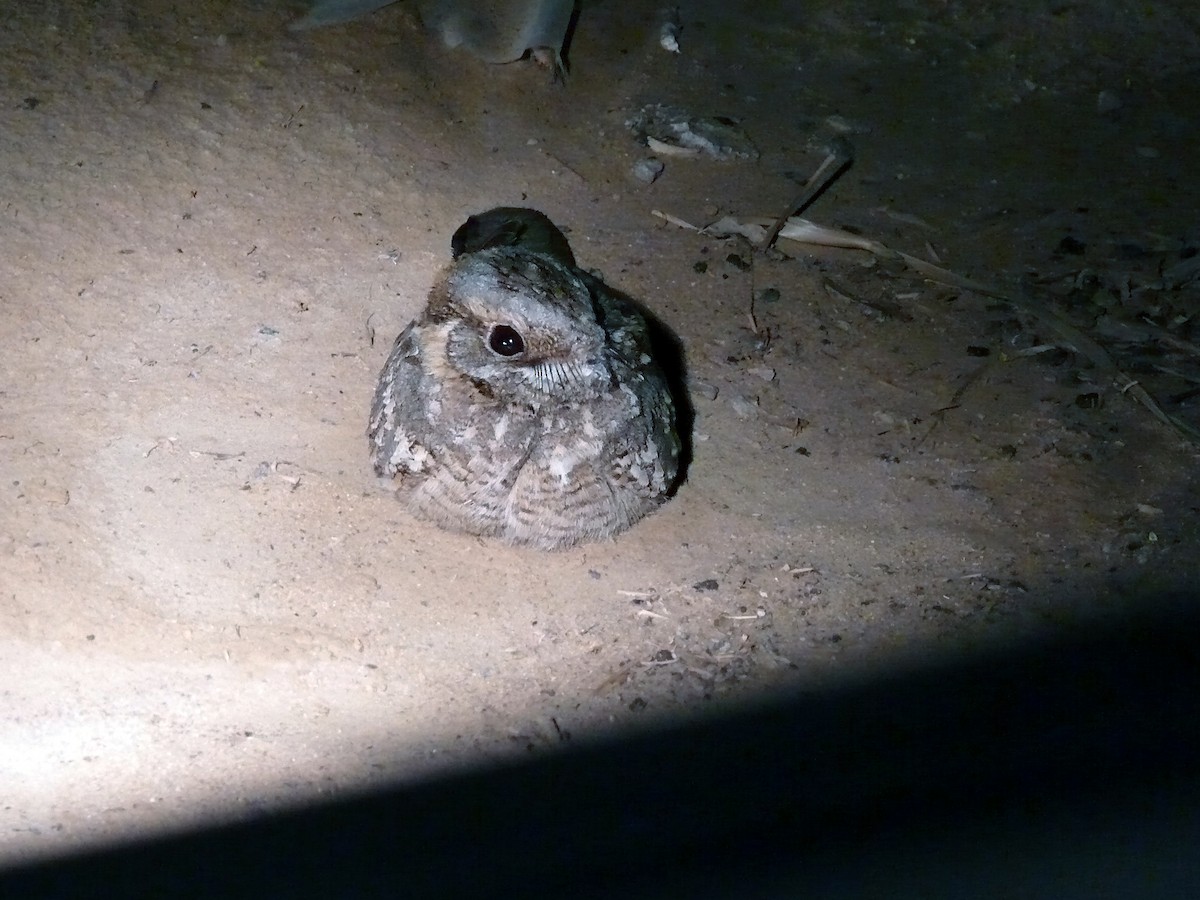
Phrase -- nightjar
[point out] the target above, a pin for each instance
(525, 402)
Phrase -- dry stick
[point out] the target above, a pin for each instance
(840, 156)
(804, 231)
(1175, 373)
(883, 307)
(970, 380)
(753, 317)
(1149, 330)
(1081, 343)
(1069, 335)
(1158, 333)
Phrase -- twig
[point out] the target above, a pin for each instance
(674, 220)
(804, 231)
(221, 455)
(1069, 335)
(1175, 373)
(840, 156)
(956, 401)
(883, 307)
(618, 677)
(1159, 333)
(651, 614)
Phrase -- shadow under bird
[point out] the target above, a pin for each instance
(525, 403)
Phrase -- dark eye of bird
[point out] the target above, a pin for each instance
(506, 340)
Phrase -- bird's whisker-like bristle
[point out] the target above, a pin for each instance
(550, 376)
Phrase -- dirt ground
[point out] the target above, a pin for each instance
(213, 228)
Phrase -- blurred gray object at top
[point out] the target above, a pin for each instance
(496, 31)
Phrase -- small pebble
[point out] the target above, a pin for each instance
(647, 170)
(668, 37)
(744, 407)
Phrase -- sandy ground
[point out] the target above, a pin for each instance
(212, 230)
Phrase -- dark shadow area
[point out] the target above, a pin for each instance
(1066, 769)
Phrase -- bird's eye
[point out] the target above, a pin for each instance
(506, 340)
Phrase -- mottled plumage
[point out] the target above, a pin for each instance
(524, 403)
